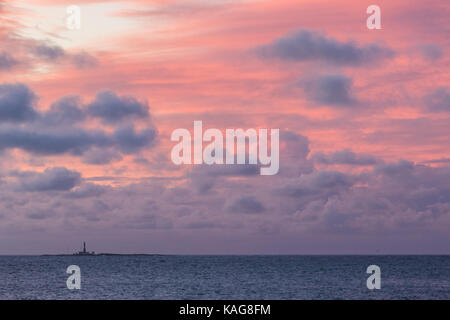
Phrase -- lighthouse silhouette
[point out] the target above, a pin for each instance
(84, 252)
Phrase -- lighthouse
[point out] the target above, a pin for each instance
(84, 252)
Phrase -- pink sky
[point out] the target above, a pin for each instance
(364, 116)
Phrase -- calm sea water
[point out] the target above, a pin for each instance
(225, 277)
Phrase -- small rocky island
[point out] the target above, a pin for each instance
(92, 253)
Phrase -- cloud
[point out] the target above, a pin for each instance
(149, 221)
(392, 196)
(84, 60)
(296, 145)
(87, 190)
(431, 52)
(401, 167)
(332, 90)
(74, 140)
(203, 177)
(38, 215)
(65, 111)
(52, 179)
(307, 45)
(245, 204)
(438, 100)
(111, 108)
(60, 129)
(344, 157)
(172, 8)
(101, 156)
(48, 52)
(55, 141)
(294, 150)
(16, 103)
(326, 179)
(323, 201)
(130, 141)
(317, 183)
(7, 62)
(236, 170)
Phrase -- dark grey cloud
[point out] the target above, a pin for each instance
(317, 183)
(16, 103)
(326, 179)
(344, 157)
(56, 131)
(293, 154)
(297, 145)
(441, 160)
(76, 141)
(422, 189)
(130, 141)
(401, 167)
(48, 52)
(438, 100)
(307, 45)
(391, 196)
(111, 108)
(332, 90)
(52, 142)
(65, 111)
(51, 53)
(245, 204)
(7, 61)
(52, 179)
(418, 200)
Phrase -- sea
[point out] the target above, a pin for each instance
(225, 277)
